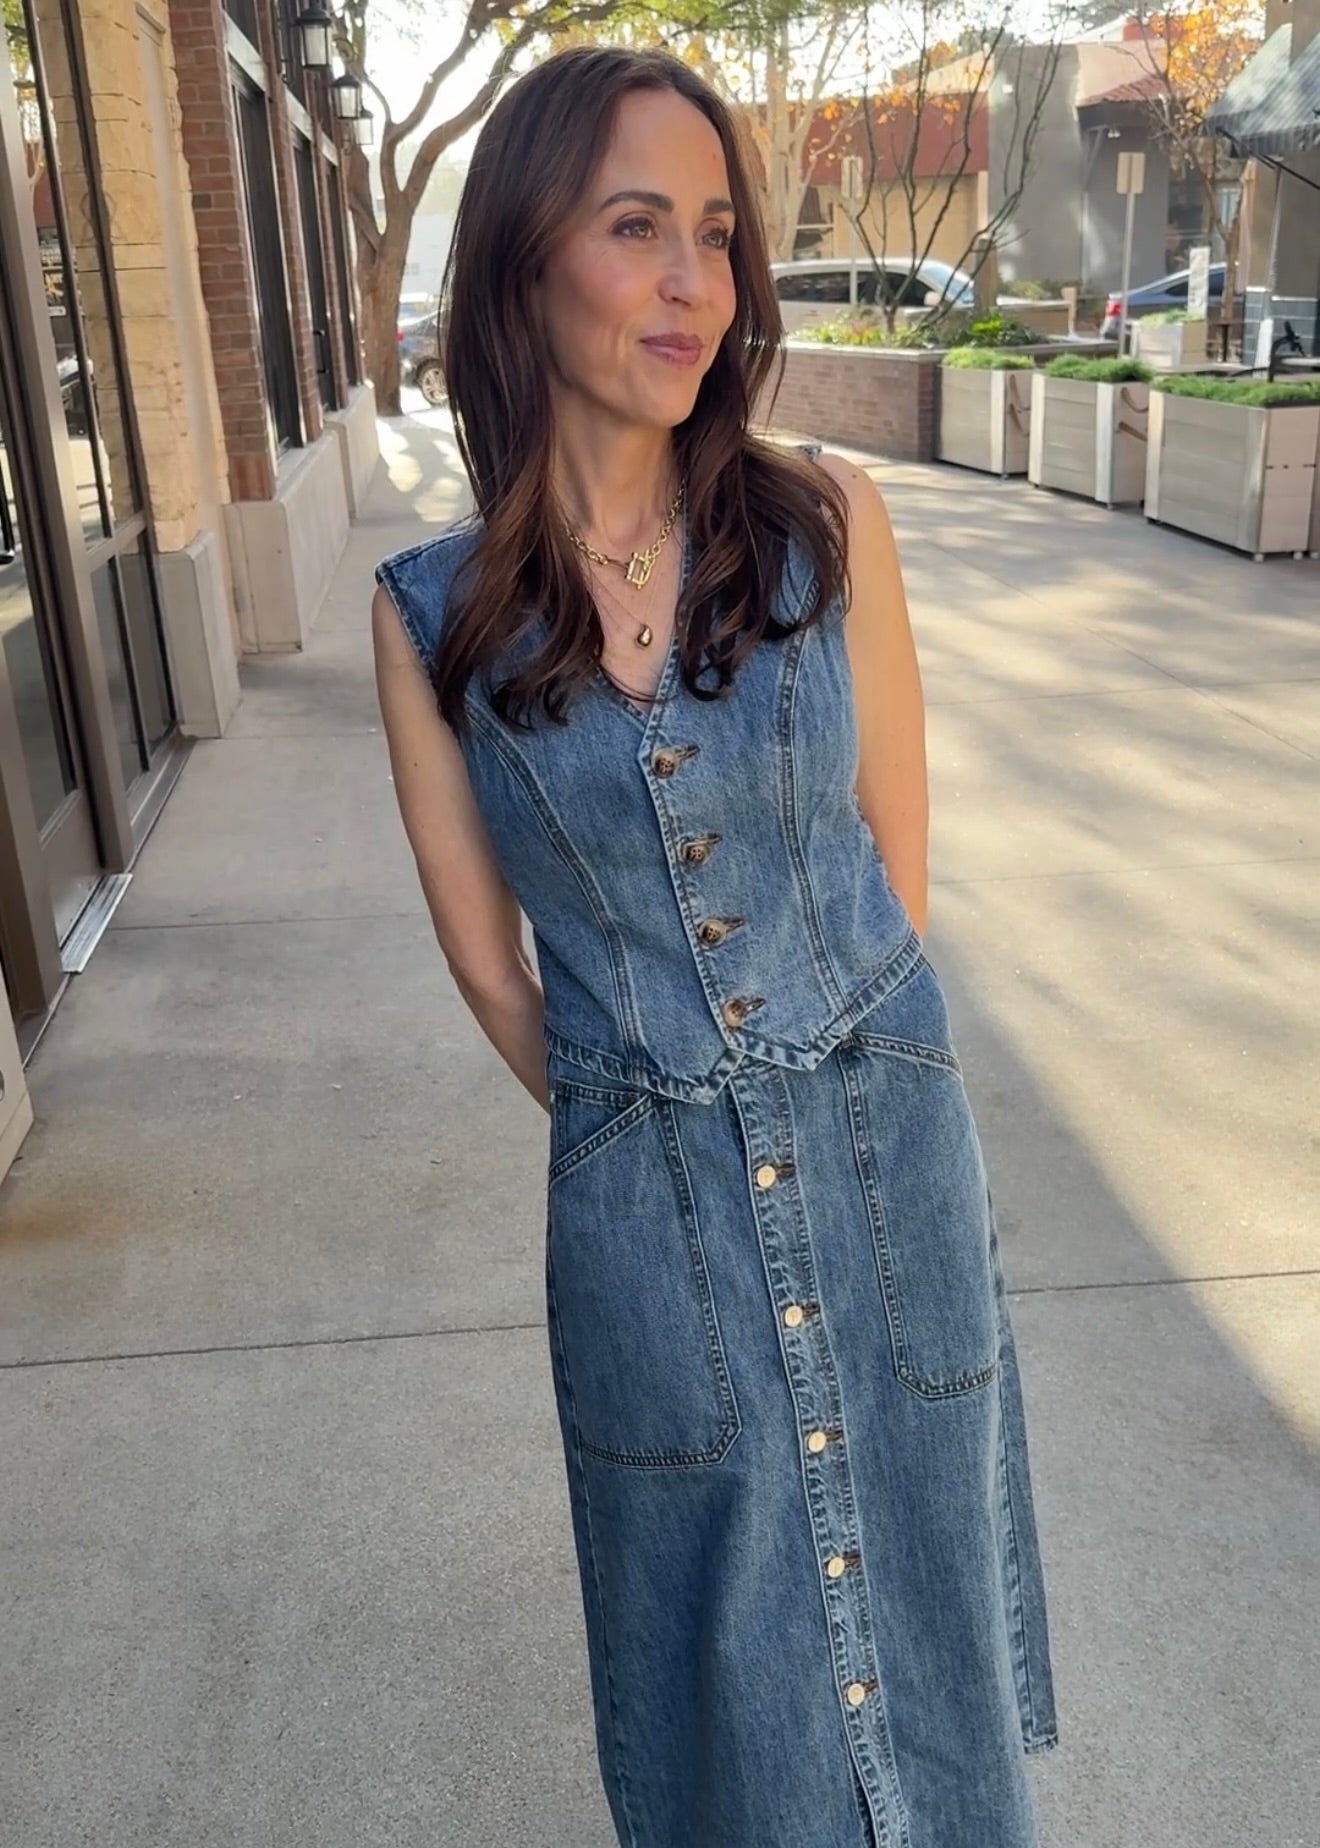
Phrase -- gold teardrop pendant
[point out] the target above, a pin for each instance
(644, 636)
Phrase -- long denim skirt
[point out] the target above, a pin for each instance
(796, 1451)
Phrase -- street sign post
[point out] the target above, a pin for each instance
(1131, 183)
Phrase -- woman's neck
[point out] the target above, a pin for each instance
(615, 487)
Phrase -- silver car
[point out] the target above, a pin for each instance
(815, 289)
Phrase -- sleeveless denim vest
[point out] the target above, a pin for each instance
(776, 928)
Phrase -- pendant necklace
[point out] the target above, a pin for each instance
(637, 568)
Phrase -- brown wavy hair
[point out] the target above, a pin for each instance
(534, 160)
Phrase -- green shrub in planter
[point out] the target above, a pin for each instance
(1170, 317)
(988, 359)
(1099, 371)
(1263, 393)
(997, 330)
(865, 328)
(1035, 291)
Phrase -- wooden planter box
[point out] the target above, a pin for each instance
(1238, 473)
(984, 419)
(1169, 346)
(1088, 438)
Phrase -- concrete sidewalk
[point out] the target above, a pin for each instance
(287, 1551)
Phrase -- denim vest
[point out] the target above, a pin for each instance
(702, 885)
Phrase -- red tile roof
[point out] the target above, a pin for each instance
(1146, 89)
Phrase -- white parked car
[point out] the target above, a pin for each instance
(815, 289)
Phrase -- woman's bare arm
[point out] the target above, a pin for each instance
(891, 719)
(477, 920)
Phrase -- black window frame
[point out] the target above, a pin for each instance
(270, 269)
(318, 293)
(343, 277)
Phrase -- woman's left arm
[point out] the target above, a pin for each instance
(887, 694)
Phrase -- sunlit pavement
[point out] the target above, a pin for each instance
(288, 1558)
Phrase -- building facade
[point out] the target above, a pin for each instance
(1271, 118)
(185, 435)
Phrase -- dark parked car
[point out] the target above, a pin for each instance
(419, 362)
(1166, 292)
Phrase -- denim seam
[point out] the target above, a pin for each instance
(554, 833)
(805, 892)
(632, 1114)
(918, 1052)
(1022, 1649)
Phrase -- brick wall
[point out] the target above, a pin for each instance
(865, 399)
(286, 187)
(211, 150)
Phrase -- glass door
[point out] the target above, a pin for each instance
(34, 682)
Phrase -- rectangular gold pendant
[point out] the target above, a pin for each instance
(638, 572)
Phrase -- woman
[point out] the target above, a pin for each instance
(660, 693)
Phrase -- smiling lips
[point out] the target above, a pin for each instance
(675, 349)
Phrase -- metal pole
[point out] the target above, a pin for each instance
(1127, 269)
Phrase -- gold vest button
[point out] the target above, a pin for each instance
(767, 1174)
(793, 1316)
(856, 1693)
(836, 1566)
(817, 1442)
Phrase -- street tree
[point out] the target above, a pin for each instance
(486, 45)
(949, 89)
(783, 66)
(1189, 59)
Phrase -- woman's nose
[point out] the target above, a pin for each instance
(683, 277)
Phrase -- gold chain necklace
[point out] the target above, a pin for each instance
(637, 568)
(606, 598)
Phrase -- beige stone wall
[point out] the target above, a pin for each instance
(185, 475)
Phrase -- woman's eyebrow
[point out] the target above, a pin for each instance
(659, 202)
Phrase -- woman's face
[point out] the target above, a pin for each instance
(639, 292)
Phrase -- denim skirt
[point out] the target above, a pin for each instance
(796, 1452)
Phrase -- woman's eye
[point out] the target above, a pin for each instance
(720, 236)
(633, 227)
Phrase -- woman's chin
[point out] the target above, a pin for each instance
(668, 407)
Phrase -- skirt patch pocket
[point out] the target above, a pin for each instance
(920, 1161)
(632, 1315)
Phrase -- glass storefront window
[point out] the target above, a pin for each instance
(58, 131)
(31, 672)
(57, 163)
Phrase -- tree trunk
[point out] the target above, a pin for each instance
(380, 282)
(382, 257)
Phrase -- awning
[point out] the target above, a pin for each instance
(1272, 107)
